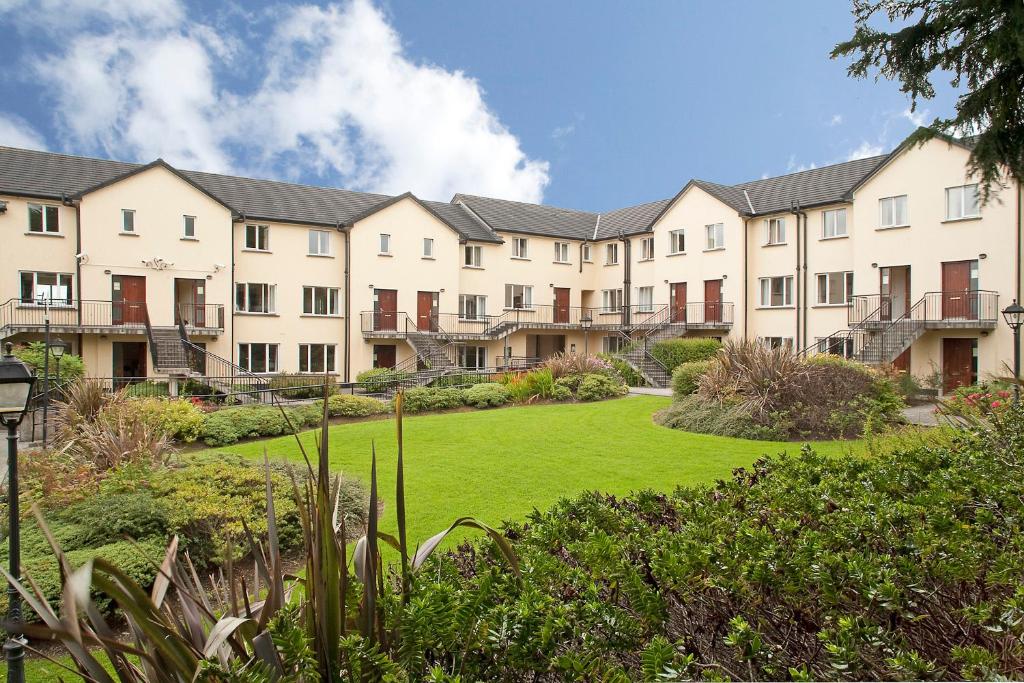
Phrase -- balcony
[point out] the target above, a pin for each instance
(972, 309)
(92, 316)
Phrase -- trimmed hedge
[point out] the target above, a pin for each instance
(487, 395)
(684, 377)
(378, 380)
(423, 399)
(345, 405)
(229, 425)
(674, 352)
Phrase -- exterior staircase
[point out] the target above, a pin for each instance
(873, 341)
(641, 337)
(432, 352)
(167, 351)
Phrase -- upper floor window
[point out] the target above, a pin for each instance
(833, 223)
(647, 249)
(43, 218)
(645, 299)
(37, 288)
(188, 227)
(319, 243)
(128, 220)
(473, 254)
(587, 253)
(257, 237)
(384, 246)
(321, 300)
(775, 231)
(835, 289)
(611, 300)
(255, 297)
(518, 296)
(428, 247)
(520, 247)
(611, 254)
(472, 306)
(258, 357)
(317, 357)
(892, 212)
(714, 236)
(776, 291)
(561, 252)
(962, 202)
(677, 242)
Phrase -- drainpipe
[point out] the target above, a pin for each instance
(1017, 284)
(805, 297)
(746, 274)
(795, 210)
(626, 278)
(348, 301)
(231, 302)
(582, 244)
(77, 205)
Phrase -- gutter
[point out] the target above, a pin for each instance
(626, 277)
(795, 210)
(78, 263)
(746, 273)
(347, 366)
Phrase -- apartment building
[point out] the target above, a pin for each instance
(150, 271)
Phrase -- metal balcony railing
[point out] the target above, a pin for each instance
(97, 313)
(200, 316)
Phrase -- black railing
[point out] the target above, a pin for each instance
(200, 316)
(85, 313)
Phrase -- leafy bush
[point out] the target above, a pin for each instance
(560, 392)
(487, 395)
(978, 401)
(529, 386)
(460, 380)
(379, 380)
(422, 399)
(295, 386)
(674, 352)
(597, 386)
(685, 376)
(228, 425)
(625, 371)
(570, 363)
(33, 355)
(345, 405)
(177, 420)
(692, 413)
(147, 389)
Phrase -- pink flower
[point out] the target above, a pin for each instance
(1004, 394)
(996, 404)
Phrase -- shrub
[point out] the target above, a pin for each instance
(292, 387)
(570, 363)
(345, 405)
(595, 386)
(422, 399)
(227, 426)
(695, 414)
(177, 420)
(112, 515)
(685, 376)
(379, 380)
(530, 386)
(147, 389)
(674, 352)
(487, 395)
(560, 392)
(33, 355)
(623, 369)
(460, 380)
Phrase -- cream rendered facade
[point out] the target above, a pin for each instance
(256, 276)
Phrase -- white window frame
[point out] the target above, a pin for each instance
(645, 299)
(890, 205)
(428, 247)
(611, 254)
(561, 252)
(961, 191)
(384, 244)
(331, 299)
(473, 256)
(49, 219)
(677, 241)
(260, 237)
(318, 243)
(269, 298)
(838, 228)
(766, 285)
(52, 293)
(611, 300)
(185, 224)
(479, 307)
(587, 252)
(774, 231)
(777, 342)
(825, 288)
(306, 358)
(714, 236)
(128, 221)
(521, 247)
(271, 355)
(612, 344)
(525, 293)
(474, 357)
(647, 249)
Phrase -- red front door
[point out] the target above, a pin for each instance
(712, 301)
(561, 305)
(426, 311)
(677, 301)
(385, 309)
(958, 366)
(957, 298)
(128, 297)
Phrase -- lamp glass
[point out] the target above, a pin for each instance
(58, 348)
(1014, 315)
(14, 397)
(586, 321)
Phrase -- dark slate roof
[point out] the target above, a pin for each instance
(28, 172)
(629, 221)
(732, 196)
(464, 222)
(504, 215)
(814, 187)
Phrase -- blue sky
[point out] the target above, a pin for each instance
(592, 105)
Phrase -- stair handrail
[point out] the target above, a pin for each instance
(149, 336)
(848, 333)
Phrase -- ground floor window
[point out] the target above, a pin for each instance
(52, 287)
(474, 357)
(258, 357)
(837, 346)
(317, 357)
(612, 344)
(777, 342)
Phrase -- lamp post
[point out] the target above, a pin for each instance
(1014, 317)
(586, 322)
(15, 389)
(45, 301)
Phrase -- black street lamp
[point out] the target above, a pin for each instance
(58, 349)
(586, 322)
(1014, 317)
(15, 389)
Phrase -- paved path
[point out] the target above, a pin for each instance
(650, 391)
(923, 414)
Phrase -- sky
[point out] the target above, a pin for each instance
(590, 104)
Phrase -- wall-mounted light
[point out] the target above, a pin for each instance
(371, 286)
(725, 277)
(106, 272)
(666, 282)
(3, 207)
(983, 256)
(209, 277)
(442, 290)
(874, 265)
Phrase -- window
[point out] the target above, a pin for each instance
(474, 357)
(258, 357)
(962, 202)
(43, 218)
(613, 344)
(611, 300)
(677, 242)
(561, 252)
(647, 249)
(645, 299)
(520, 247)
(53, 287)
(319, 243)
(473, 256)
(320, 300)
(428, 247)
(774, 231)
(255, 297)
(257, 237)
(385, 244)
(835, 289)
(472, 306)
(777, 342)
(587, 255)
(833, 223)
(777, 291)
(892, 212)
(611, 254)
(317, 357)
(715, 236)
(518, 296)
(188, 224)
(839, 345)
(128, 220)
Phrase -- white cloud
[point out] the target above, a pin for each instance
(17, 132)
(563, 131)
(865, 149)
(835, 120)
(793, 167)
(339, 99)
(918, 118)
